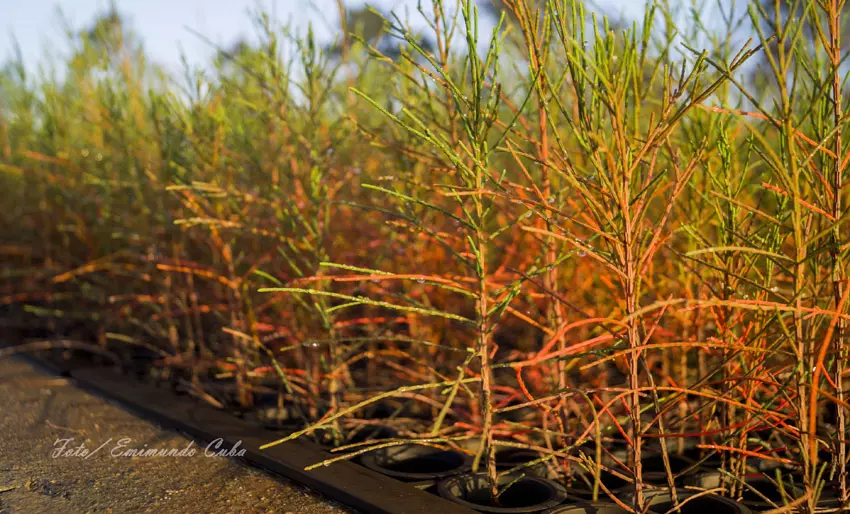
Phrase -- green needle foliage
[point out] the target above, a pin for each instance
(612, 243)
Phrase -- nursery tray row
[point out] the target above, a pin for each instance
(346, 482)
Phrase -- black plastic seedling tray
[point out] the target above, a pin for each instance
(346, 482)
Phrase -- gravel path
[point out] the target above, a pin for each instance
(41, 413)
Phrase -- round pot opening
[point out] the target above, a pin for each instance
(699, 504)
(830, 495)
(416, 462)
(760, 487)
(612, 451)
(370, 433)
(393, 408)
(705, 458)
(520, 495)
(589, 508)
(655, 464)
(709, 479)
(512, 457)
(655, 473)
(582, 487)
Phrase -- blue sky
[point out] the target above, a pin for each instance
(162, 23)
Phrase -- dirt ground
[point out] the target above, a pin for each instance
(44, 420)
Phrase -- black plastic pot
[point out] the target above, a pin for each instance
(654, 472)
(589, 508)
(510, 458)
(289, 423)
(370, 433)
(611, 451)
(416, 463)
(346, 482)
(395, 407)
(768, 490)
(699, 504)
(140, 360)
(322, 438)
(710, 478)
(704, 458)
(523, 495)
(705, 479)
(830, 496)
(275, 418)
(582, 488)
